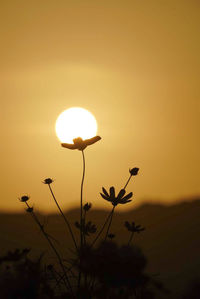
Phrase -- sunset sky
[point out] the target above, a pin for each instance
(134, 64)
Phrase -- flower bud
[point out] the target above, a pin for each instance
(24, 198)
(87, 206)
(134, 171)
(48, 181)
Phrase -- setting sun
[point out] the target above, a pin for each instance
(75, 122)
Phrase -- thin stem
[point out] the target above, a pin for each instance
(127, 181)
(52, 246)
(53, 272)
(112, 212)
(101, 230)
(81, 203)
(81, 220)
(131, 237)
(84, 221)
(65, 219)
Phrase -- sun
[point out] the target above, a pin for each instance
(75, 122)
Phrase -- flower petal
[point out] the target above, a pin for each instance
(112, 192)
(105, 192)
(123, 201)
(92, 140)
(105, 197)
(128, 196)
(79, 143)
(69, 146)
(121, 194)
(127, 225)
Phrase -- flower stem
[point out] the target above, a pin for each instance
(81, 203)
(81, 220)
(101, 230)
(131, 237)
(53, 248)
(111, 216)
(84, 221)
(127, 182)
(65, 219)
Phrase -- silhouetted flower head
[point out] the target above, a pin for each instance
(134, 171)
(115, 200)
(87, 206)
(134, 228)
(29, 209)
(81, 144)
(24, 198)
(48, 181)
(87, 228)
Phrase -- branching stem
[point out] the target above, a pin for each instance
(68, 285)
(101, 230)
(64, 217)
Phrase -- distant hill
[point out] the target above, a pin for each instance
(171, 240)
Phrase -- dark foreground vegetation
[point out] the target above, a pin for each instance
(170, 248)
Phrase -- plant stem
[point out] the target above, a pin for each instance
(127, 182)
(81, 203)
(111, 216)
(65, 219)
(53, 247)
(101, 230)
(131, 237)
(81, 220)
(84, 221)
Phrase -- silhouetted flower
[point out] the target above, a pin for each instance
(134, 228)
(87, 206)
(81, 144)
(134, 171)
(111, 236)
(120, 199)
(24, 198)
(29, 209)
(88, 228)
(48, 181)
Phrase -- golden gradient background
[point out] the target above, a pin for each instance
(134, 64)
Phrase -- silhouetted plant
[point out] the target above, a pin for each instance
(22, 278)
(97, 270)
(133, 229)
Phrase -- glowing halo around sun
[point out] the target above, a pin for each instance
(75, 122)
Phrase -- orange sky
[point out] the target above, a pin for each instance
(134, 64)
